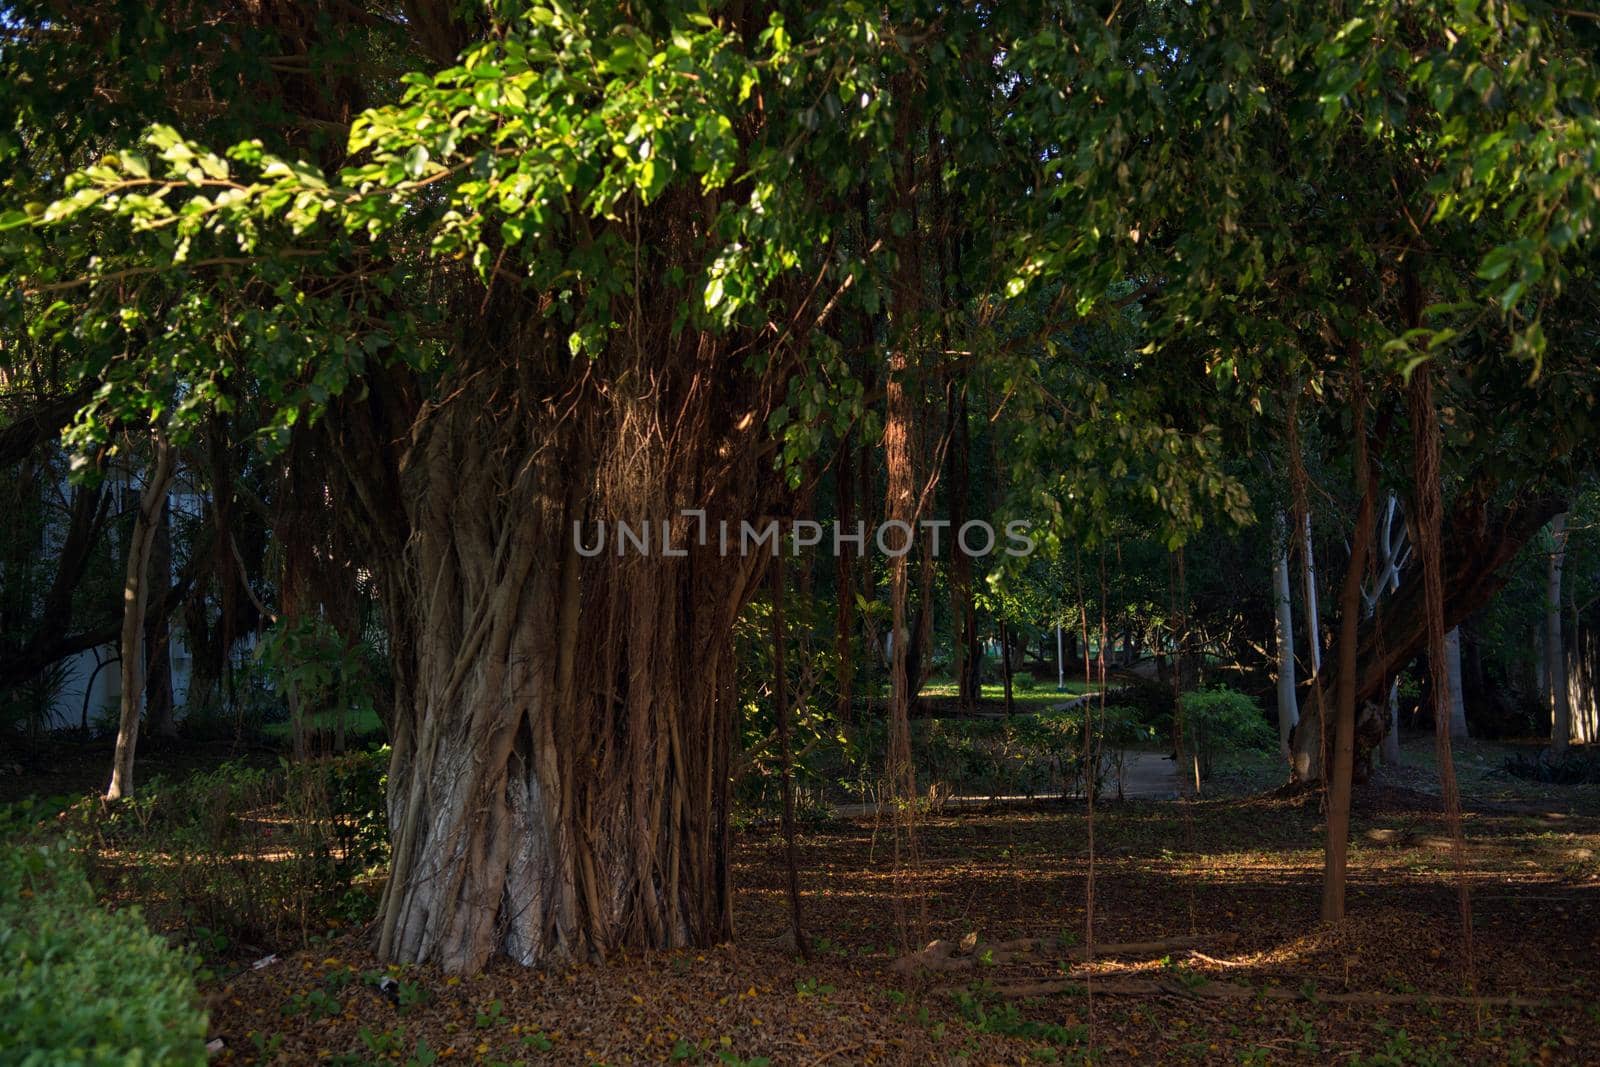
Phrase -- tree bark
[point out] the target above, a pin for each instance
(1483, 541)
(899, 508)
(1313, 616)
(1005, 665)
(157, 636)
(844, 619)
(563, 723)
(780, 699)
(1288, 703)
(1345, 696)
(968, 657)
(135, 598)
(1452, 672)
(1554, 647)
(1387, 580)
(1582, 682)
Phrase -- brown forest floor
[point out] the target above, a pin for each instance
(1241, 873)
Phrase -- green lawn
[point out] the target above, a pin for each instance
(1039, 698)
(361, 722)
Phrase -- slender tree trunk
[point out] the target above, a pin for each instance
(1387, 581)
(135, 598)
(1005, 665)
(963, 614)
(1452, 671)
(1288, 702)
(899, 509)
(900, 502)
(1554, 647)
(1343, 768)
(1391, 739)
(1541, 663)
(844, 619)
(1582, 661)
(1313, 616)
(1061, 661)
(1429, 514)
(780, 700)
(158, 634)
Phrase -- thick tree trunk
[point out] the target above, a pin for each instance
(135, 598)
(559, 783)
(1288, 703)
(1554, 647)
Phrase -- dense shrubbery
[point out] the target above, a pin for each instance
(240, 853)
(81, 985)
(1022, 755)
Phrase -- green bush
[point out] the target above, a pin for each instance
(263, 855)
(81, 985)
(1221, 720)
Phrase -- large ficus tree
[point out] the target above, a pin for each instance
(514, 267)
(576, 273)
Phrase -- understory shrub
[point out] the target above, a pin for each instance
(82, 985)
(259, 855)
(1221, 720)
(1028, 754)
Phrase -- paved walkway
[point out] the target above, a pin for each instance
(1145, 776)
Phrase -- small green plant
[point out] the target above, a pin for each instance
(423, 1055)
(1185, 975)
(986, 1011)
(382, 1042)
(827, 947)
(266, 1045)
(812, 987)
(1400, 1049)
(410, 995)
(493, 1014)
(318, 1003)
